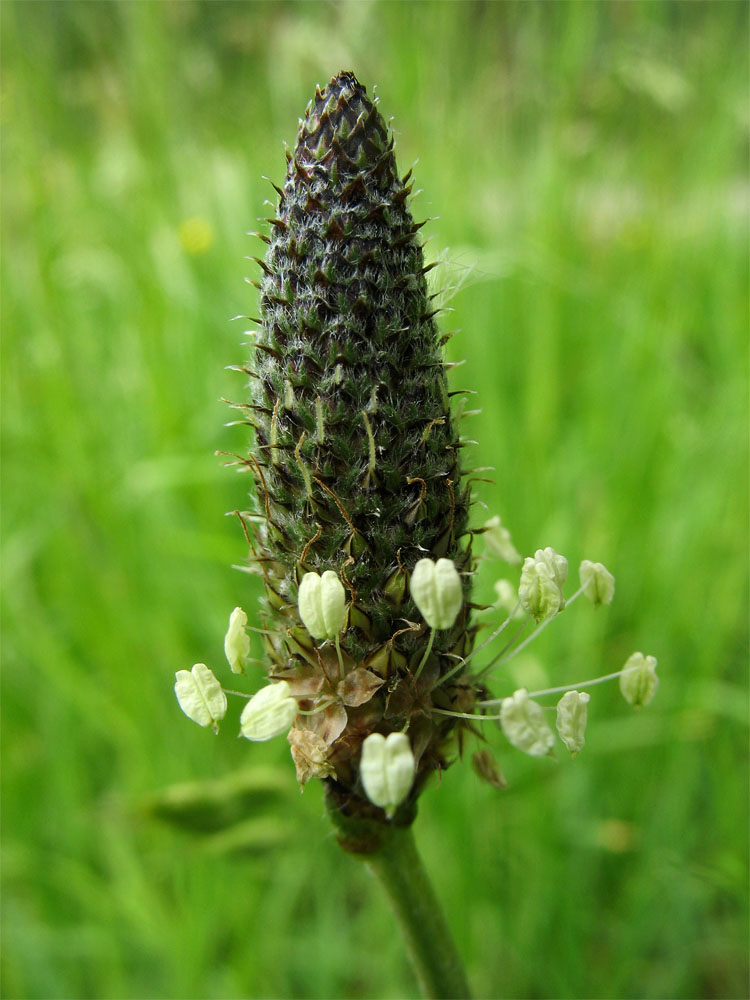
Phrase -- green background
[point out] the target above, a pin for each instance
(585, 168)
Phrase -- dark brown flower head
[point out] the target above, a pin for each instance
(356, 453)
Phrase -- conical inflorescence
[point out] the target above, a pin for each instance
(356, 457)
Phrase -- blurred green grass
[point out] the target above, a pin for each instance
(588, 164)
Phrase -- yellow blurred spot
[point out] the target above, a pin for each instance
(616, 835)
(696, 724)
(196, 236)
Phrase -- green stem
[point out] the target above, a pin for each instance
(426, 654)
(428, 939)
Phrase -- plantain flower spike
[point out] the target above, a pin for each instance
(542, 579)
(322, 604)
(356, 457)
(597, 582)
(522, 720)
(572, 715)
(200, 696)
(237, 642)
(638, 680)
(499, 543)
(387, 770)
(269, 713)
(437, 592)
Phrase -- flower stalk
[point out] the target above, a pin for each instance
(434, 956)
